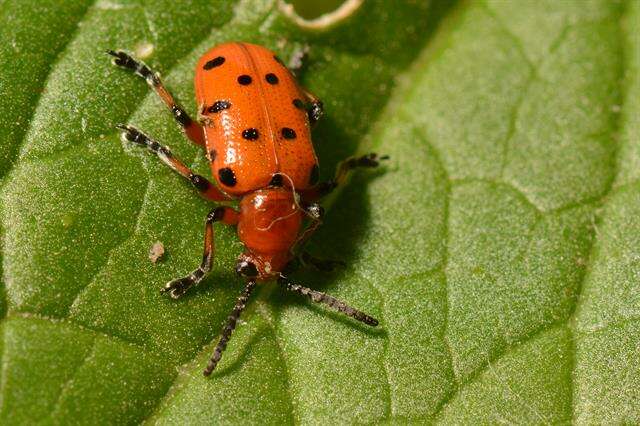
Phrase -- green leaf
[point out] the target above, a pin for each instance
(498, 247)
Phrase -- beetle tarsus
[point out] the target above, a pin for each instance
(178, 287)
(190, 128)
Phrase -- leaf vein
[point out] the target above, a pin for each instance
(532, 77)
(495, 358)
(112, 251)
(571, 321)
(65, 388)
(4, 174)
(262, 310)
(36, 102)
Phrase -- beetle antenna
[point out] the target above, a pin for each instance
(228, 328)
(332, 302)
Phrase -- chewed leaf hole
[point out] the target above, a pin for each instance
(319, 15)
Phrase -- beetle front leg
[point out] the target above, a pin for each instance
(342, 172)
(322, 265)
(179, 286)
(192, 129)
(202, 184)
(305, 259)
(315, 212)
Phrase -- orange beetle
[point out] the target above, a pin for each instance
(255, 123)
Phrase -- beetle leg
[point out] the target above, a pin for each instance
(192, 129)
(332, 302)
(202, 184)
(342, 172)
(315, 212)
(305, 259)
(179, 286)
(229, 326)
(315, 107)
(323, 265)
(296, 63)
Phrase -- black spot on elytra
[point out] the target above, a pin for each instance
(288, 133)
(219, 106)
(271, 78)
(226, 176)
(244, 79)
(314, 175)
(298, 103)
(212, 155)
(250, 134)
(216, 62)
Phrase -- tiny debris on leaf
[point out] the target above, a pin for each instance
(156, 252)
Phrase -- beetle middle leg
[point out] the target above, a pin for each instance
(342, 172)
(192, 129)
(315, 212)
(202, 184)
(179, 286)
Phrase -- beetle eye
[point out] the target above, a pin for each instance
(246, 269)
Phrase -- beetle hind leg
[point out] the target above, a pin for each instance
(313, 105)
(191, 129)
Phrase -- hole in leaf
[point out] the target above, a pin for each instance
(314, 9)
